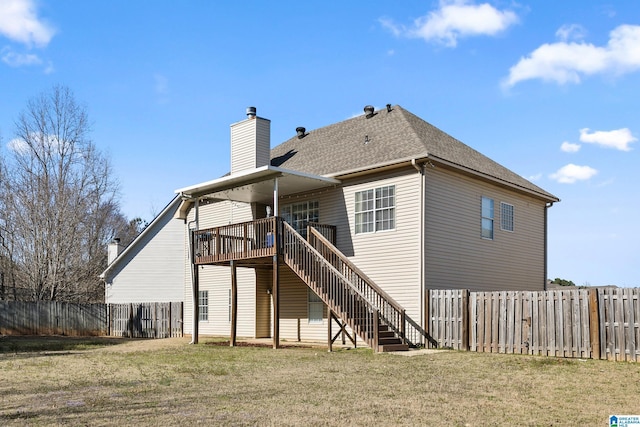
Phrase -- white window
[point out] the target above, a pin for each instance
(299, 215)
(203, 306)
(375, 210)
(487, 218)
(506, 216)
(315, 307)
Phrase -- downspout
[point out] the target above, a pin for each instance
(195, 285)
(421, 171)
(546, 208)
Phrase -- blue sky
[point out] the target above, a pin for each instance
(549, 89)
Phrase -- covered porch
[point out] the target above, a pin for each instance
(253, 244)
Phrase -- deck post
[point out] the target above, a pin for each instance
(329, 335)
(234, 304)
(195, 292)
(276, 284)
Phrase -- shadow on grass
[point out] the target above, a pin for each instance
(254, 344)
(38, 344)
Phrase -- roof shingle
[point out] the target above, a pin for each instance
(361, 142)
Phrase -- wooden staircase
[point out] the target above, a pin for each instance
(358, 302)
(389, 341)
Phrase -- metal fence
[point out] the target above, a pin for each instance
(144, 320)
(577, 323)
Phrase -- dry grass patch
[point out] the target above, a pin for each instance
(170, 382)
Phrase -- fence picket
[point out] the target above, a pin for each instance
(150, 320)
(576, 323)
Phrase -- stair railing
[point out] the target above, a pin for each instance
(392, 313)
(335, 290)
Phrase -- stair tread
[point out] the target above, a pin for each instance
(393, 347)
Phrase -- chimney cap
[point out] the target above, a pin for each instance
(251, 112)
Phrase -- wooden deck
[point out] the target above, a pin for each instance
(348, 293)
(251, 243)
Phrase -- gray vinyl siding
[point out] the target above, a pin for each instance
(153, 269)
(457, 256)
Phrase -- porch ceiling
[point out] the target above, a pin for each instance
(257, 185)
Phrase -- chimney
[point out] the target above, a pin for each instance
(250, 142)
(113, 250)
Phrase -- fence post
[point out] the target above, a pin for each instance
(131, 328)
(465, 320)
(594, 323)
(427, 299)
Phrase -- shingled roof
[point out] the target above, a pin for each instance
(391, 135)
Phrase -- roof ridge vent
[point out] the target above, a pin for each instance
(389, 109)
(301, 132)
(369, 111)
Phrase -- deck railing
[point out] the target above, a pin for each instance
(335, 290)
(326, 230)
(251, 239)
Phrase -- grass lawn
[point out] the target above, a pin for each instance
(106, 381)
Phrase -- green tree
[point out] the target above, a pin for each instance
(563, 282)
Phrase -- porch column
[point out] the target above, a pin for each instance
(195, 275)
(195, 283)
(276, 302)
(275, 197)
(234, 304)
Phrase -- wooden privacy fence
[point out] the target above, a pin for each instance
(581, 323)
(52, 318)
(144, 320)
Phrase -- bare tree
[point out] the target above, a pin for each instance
(59, 201)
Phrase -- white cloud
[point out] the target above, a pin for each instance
(455, 19)
(569, 147)
(571, 32)
(567, 62)
(18, 145)
(618, 139)
(14, 59)
(535, 177)
(19, 22)
(35, 139)
(571, 173)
